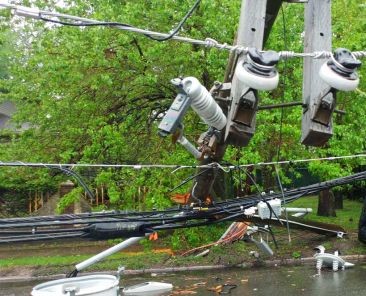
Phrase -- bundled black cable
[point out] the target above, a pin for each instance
(106, 225)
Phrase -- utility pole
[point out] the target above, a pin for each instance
(319, 99)
(242, 83)
(256, 20)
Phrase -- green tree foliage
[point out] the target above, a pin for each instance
(94, 95)
(349, 131)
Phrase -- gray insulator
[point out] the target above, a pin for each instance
(203, 103)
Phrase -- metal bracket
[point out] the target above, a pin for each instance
(221, 89)
(208, 142)
(174, 116)
(325, 107)
(247, 107)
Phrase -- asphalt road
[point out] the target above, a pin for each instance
(277, 281)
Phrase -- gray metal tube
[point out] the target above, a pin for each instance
(203, 103)
(123, 245)
(189, 146)
(298, 210)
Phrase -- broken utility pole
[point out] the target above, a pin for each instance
(318, 97)
(256, 20)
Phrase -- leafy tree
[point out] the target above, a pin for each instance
(94, 95)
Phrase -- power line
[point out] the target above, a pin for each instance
(174, 167)
(113, 224)
(180, 25)
(55, 17)
(284, 28)
(307, 160)
(283, 82)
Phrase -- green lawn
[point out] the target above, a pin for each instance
(129, 260)
(347, 217)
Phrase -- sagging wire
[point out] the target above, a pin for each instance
(282, 115)
(239, 172)
(77, 177)
(185, 181)
(190, 213)
(65, 169)
(180, 25)
(260, 194)
(235, 203)
(208, 42)
(169, 219)
(284, 204)
(176, 167)
(122, 25)
(272, 212)
(36, 238)
(284, 76)
(194, 197)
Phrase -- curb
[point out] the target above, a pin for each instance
(248, 265)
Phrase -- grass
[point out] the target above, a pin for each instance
(347, 217)
(229, 254)
(129, 260)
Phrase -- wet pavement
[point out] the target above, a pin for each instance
(277, 281)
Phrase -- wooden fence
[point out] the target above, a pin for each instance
(36, 200)
(102, 198)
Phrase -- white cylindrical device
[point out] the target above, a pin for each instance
(298, 210)
(340, 71)
(203, 103)
(256, 81)
(258, 70)
(336, 80)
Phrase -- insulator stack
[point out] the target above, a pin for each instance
(203, 103)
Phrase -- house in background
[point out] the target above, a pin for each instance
(7, 109)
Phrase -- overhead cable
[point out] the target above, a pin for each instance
(112, 224)
(175, 167)
(180, 25)
(76, 21)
